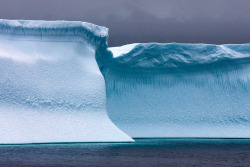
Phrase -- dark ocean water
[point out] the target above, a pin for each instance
(144, 152)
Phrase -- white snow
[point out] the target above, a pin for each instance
(119, 51)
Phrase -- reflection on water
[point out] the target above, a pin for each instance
(144, 152)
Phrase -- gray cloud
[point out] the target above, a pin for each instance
(192, 21)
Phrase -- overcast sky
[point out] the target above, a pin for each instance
(130, 21)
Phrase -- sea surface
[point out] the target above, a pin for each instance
(144, 152)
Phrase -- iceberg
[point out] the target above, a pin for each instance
(60, 82)
(51, 89)
(179, 90)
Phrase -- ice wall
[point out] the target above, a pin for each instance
(179, 90)
(51, 89)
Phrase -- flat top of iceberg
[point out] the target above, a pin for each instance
(50, 30)
(157, 55)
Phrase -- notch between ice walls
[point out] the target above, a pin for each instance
(51, 89)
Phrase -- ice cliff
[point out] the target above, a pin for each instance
(51, 89)
(179, 90)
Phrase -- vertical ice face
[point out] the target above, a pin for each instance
(51, 89)
(179, 90)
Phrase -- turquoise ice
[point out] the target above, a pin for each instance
(179, 90)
